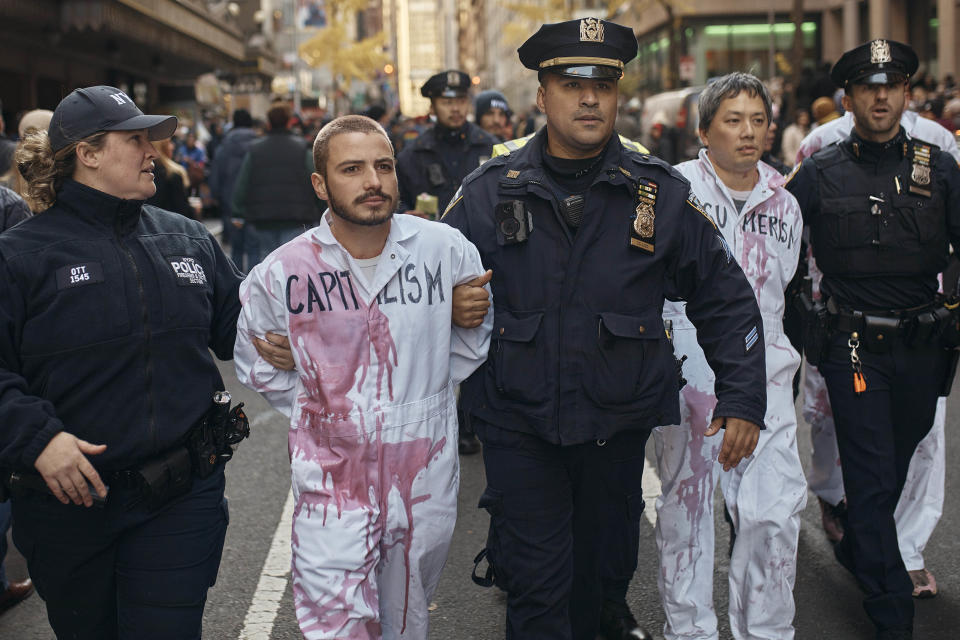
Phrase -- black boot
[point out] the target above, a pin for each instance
(617, 623)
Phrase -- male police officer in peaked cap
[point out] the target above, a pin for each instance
(880, 209)
(585, 238)
(437, 161)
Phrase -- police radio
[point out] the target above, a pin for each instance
(514, 222)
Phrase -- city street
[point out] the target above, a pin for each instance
(253, 599)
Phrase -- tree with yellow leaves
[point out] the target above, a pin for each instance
(334, 48)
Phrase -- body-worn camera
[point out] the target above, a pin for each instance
(514, 222)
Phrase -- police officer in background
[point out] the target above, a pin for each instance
(437, 161)
(430, 168)
(880, 207)
(586, 238)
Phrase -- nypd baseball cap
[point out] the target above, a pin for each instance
(91, 109)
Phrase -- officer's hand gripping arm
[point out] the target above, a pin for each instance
(469, 345)
(471, 302)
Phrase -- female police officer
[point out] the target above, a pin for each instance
(108, 312)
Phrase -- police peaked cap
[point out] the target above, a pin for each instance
(446, 84)
(875, 62)
(585, 48)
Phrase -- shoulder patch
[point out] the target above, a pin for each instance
(457, 197)
(694, 203)
(792, 173)
(505, 148)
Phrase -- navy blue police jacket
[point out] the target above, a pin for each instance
(435, 166)
(579, 351)
(108, 312)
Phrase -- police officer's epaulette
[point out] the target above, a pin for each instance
(793, 174)
(506, 148)
(632, 145)
(830, 155)
(645, 161)
(697, 206)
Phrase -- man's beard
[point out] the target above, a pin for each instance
(350, 214)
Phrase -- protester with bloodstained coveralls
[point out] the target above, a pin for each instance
(765, 494)
(365, 299)
(110, 314)
(879, 207)
(586, 238)
(921, 503)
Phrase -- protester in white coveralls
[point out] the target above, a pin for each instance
(921, 503)
(366, 298)
(765, 493)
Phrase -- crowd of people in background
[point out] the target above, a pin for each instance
(266, 183)
(187, 182)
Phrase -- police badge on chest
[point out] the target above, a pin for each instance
(643, 230)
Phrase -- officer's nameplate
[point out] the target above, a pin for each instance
(591, 30)
(643, 223)
(880, 52)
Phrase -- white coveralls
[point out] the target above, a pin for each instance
(766, 492)
(373, 428)
(921, 503)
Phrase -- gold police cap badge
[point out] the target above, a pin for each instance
(880, 52)
(591, 30)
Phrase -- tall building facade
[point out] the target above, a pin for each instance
(153, 49)
(714, 37)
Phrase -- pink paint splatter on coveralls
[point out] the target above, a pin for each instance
(372, 438)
